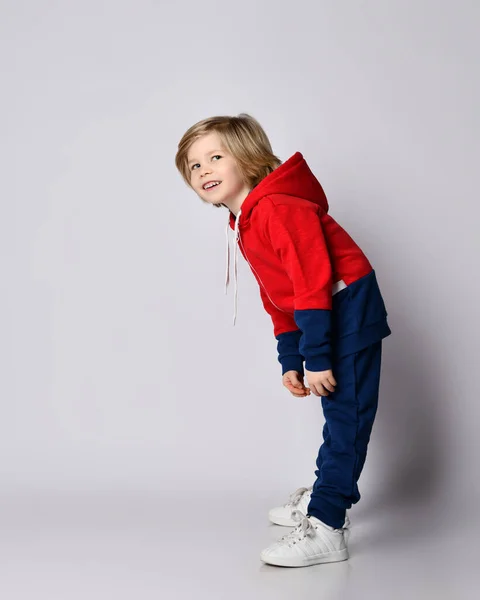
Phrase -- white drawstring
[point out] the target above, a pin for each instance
(235, 249)
(337, 287)
(227, 276)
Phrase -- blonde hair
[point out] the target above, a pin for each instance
(243, 137)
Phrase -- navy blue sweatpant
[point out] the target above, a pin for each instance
(349, 415)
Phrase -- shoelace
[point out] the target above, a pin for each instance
(305, 528)
(297, 495)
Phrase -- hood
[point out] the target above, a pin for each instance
(293, 178)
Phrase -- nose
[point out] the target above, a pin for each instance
(205, 170)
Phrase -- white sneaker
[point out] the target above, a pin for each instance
(311, 542)
(299, 500)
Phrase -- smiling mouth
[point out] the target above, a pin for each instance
(212, 187)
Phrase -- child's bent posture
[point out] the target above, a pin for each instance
(322, 295)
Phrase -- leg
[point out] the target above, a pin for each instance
(349, 415)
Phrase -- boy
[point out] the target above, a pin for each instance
(327, 311)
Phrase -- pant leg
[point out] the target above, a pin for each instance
(349, 415)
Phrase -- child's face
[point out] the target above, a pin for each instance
(208, 160)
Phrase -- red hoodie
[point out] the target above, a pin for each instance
(315, 282)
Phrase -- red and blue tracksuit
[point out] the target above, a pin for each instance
(327, 310)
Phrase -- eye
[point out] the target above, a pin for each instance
(214, 156)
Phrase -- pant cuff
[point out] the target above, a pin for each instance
(327, 513)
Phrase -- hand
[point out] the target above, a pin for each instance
(321, 382)
(293, 381)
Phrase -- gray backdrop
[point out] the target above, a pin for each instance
(122, 371)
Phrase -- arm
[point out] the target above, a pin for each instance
(287, 335)
(296, 235)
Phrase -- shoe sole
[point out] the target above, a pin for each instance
(284, 561)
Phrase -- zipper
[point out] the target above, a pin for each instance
(258, 277)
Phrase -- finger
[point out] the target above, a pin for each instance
(332, 380)
(323, 390)
(327, 385)
(297, 383)
(298, 393)
(327, 393)
(291, 388)
(295, 386)
(317, 389)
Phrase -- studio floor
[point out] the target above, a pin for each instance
(126, 545)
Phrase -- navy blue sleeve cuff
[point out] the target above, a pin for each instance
(288, 351)
(315, 343)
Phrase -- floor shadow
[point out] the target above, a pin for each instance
(409, 428)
